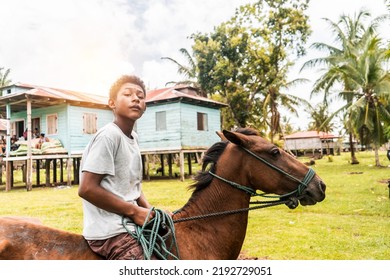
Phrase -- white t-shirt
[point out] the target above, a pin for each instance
(112, 153)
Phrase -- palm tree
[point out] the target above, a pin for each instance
(190, 72)
(320, 119)
(370, 114)
(351, 34)
(4, 81)
(274, 97)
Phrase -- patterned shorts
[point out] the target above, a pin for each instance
(119, 247)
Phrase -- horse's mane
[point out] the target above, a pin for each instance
(203, 178)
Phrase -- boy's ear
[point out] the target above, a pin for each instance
(111, 103)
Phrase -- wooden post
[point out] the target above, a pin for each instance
(162, 165)
(54, 170)
(38, 172)
(8, 168)
(170, 165)
(61, 170)
(69, 169)
(47, 168)
(147, 175)
(181, 155)
(29, 151)
(189, 164)
(76, 170)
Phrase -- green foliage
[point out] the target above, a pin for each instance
(248, 56)
(4, 80)
(358, 61)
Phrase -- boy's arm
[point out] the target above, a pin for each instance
(91, 191)
(143, 202)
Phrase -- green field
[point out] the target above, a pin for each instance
(352, 223)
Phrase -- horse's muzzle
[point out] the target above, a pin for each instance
(314, 193)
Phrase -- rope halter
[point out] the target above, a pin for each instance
(299, 191)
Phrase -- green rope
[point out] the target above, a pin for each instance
(149, 238)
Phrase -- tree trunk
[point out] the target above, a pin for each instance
(353, 157)
(377, 162)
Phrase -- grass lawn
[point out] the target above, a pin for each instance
(353, 222)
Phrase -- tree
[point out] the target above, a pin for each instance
(246, 59)
(351, 35)
(4, 81)
(370, 114)
(275, 97)
(320, 118)
(190, 72)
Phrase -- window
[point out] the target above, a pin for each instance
(202, 121)
(52, 124)
(89, 123)
(161, 121)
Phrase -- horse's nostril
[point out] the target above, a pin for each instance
(322, 186)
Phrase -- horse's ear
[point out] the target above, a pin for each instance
(235, 137)
(220, 134)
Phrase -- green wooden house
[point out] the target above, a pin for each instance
(178, 121)
(69, 116)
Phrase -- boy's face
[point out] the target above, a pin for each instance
(129, 103)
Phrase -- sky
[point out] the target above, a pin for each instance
(86, 45)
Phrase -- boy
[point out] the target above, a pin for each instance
(111, 174)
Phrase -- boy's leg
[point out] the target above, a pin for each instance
(120, 247)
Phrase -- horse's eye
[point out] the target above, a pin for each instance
(275, 151)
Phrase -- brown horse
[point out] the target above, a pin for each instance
(210, 225)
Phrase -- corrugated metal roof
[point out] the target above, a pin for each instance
(64, 94)
(311, 134)
(179, 92)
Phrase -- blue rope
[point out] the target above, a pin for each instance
(149, 238)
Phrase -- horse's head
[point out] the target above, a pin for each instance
(272, 170)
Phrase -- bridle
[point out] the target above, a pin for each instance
(301, 187)
(281, 199)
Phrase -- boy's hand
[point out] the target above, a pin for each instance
(142, 216)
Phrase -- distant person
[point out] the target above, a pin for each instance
(3, 144)
(14, 146)
(36, 133)
(42, 139)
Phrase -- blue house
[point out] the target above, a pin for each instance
(70, 118)
(177, 121)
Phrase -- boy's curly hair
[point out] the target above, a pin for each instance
(125, 79)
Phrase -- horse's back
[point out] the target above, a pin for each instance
(28, 239)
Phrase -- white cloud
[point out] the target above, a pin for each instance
(85, 45)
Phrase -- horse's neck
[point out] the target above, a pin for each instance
(219, 237)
